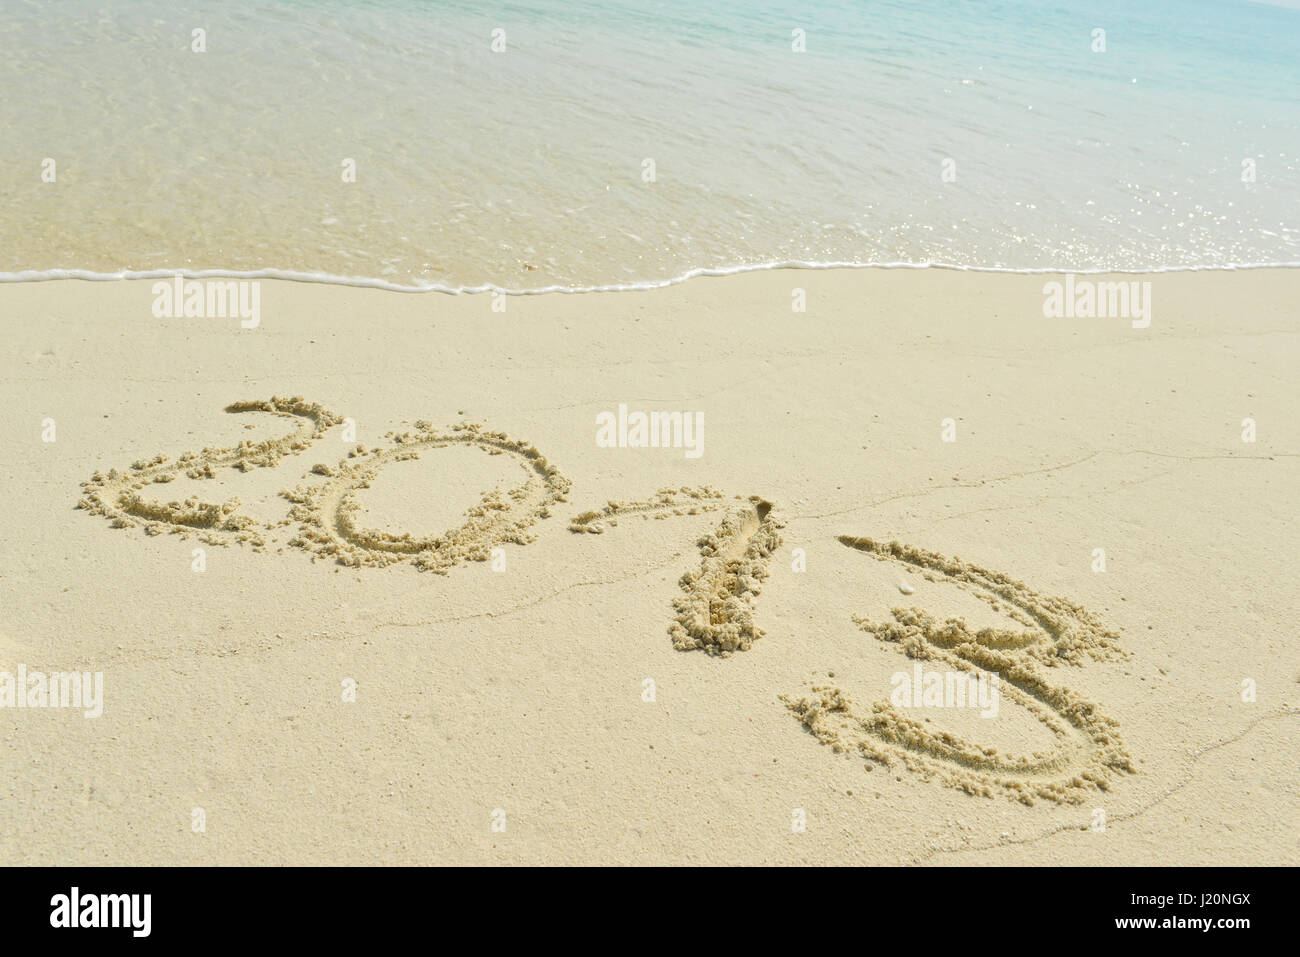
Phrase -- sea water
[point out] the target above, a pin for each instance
(572, 144)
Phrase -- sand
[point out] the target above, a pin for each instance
(339, 574)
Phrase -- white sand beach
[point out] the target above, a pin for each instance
(516, 691)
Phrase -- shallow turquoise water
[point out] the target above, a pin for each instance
(528, 168)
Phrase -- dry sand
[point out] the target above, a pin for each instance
(707, 679)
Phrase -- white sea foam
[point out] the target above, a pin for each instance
(651, 145)
(367, 282)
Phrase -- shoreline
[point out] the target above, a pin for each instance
(368, 282)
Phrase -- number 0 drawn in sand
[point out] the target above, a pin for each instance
(1087, 752)
(715, 611)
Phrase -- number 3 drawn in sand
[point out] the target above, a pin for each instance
(1087, 752)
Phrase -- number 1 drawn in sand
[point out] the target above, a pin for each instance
(715, 613)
